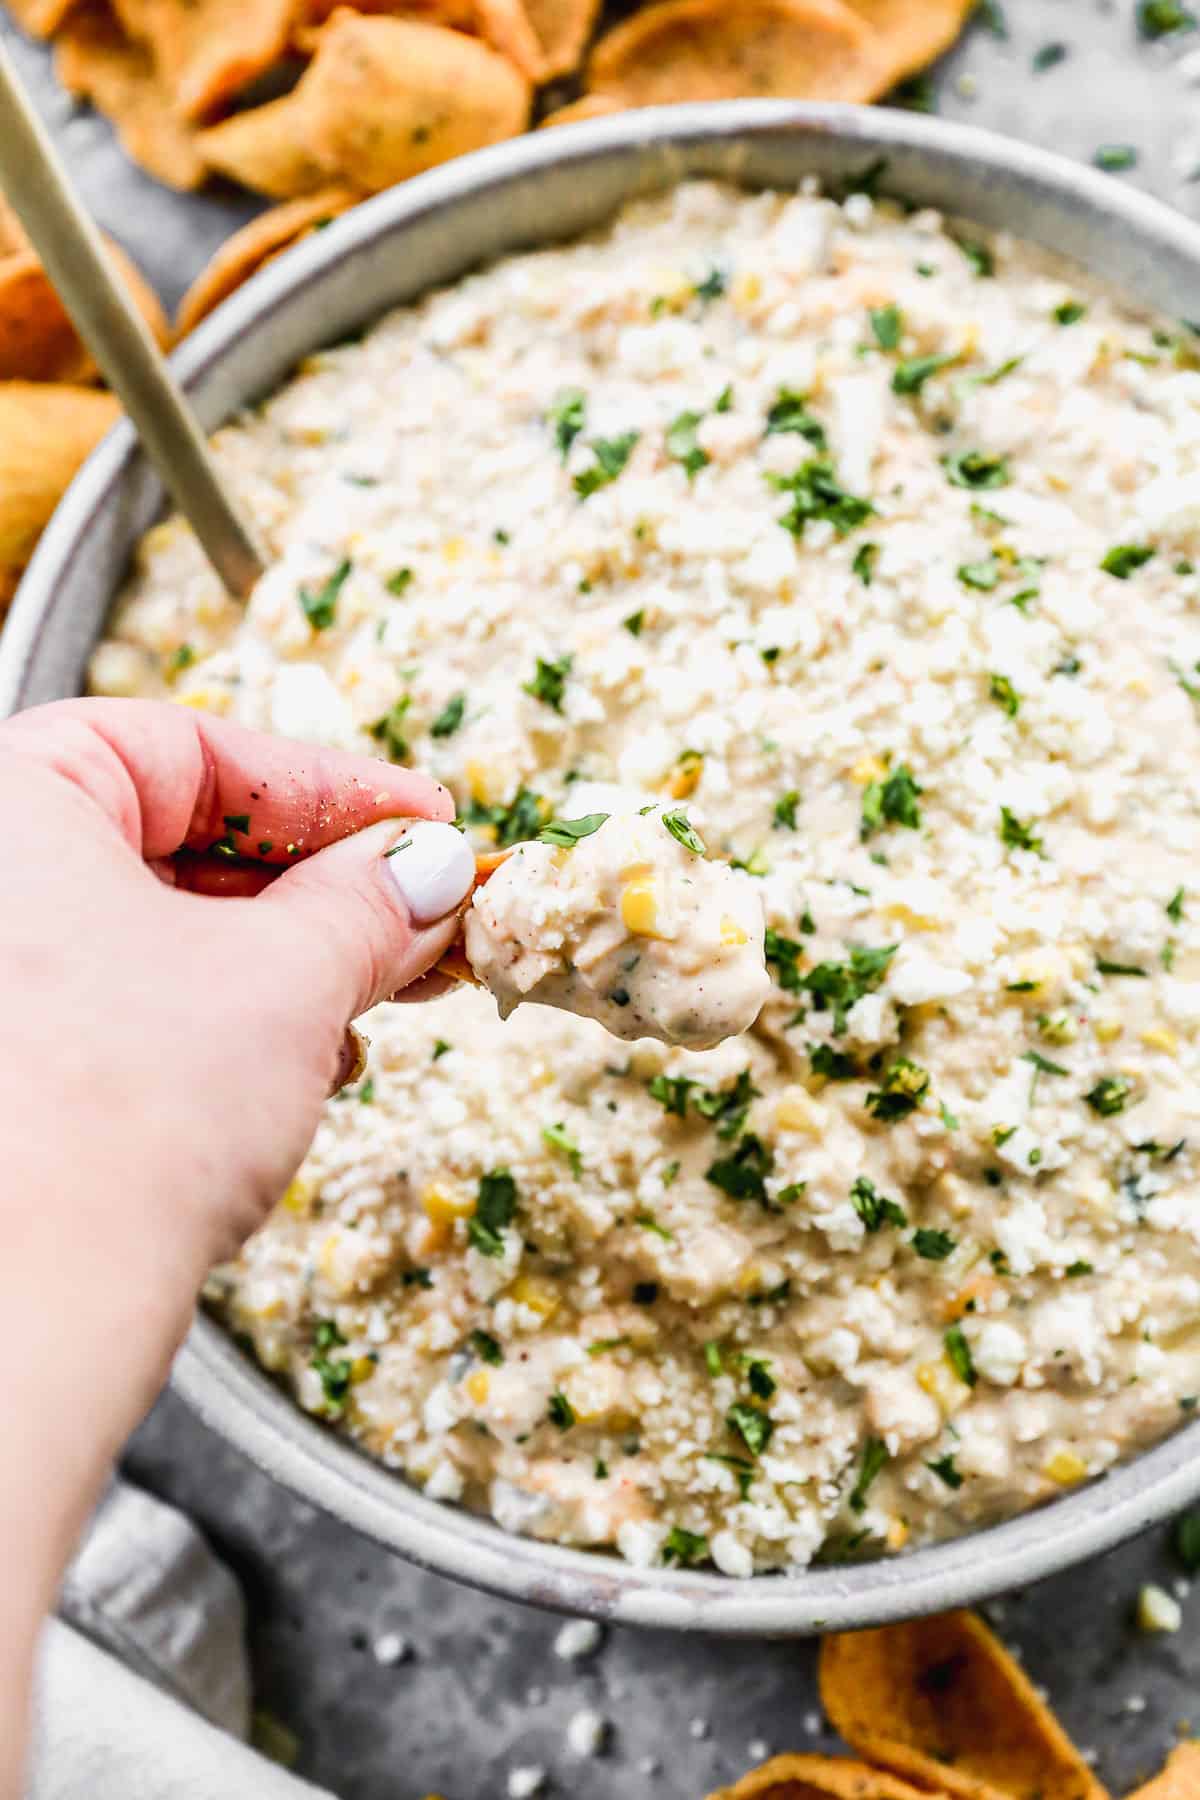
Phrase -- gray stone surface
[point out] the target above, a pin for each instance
(483, 1690)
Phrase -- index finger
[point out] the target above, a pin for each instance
(171, 779)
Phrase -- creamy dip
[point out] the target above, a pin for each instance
(624, 920)
(874, 546)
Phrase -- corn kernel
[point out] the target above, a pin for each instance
(685, 777)
(298, 1197)
(914, 920)
(213, 700)
(454, 549)
(731, 932)
(1159, 1038)
(745, 290)
(477, 1384)
(362, 1368)
(442, 1208)
(1157, 1610)
(1066, 1468)
(941, 1384)
(897, 1534)
(538, 1294)
(639, 909)
(326, 1255)
(868, 769)
(1107, 1029)
(794, 1113)
(478, 785)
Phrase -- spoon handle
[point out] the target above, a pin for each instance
(36, 184)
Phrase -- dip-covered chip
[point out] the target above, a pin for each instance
(242, 255)
(387, 98)
(38, 342)
(708, 50)
(941, 1702)
(624, 919)
(46, 432)
(96, 61)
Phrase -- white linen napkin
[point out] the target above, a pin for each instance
(143, 1689)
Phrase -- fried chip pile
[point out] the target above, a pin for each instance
(938, 1709)
(288, 97)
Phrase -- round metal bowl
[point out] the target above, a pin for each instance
(427, 232)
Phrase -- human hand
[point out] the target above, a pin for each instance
(169, 1038)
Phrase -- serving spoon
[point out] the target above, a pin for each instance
(36, 183)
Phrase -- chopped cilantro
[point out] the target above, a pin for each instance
(947, 1117)
(682, 446)
(486, 1348)
(887, 322)
(399, 582)
(1159, 18)
(874, 1457)
(633, 624)
(835, 1065)
(671, 1092)
(892, 801)
(933, 1245)
(991, 16)
(873, 1208)
(944, 1468)
(1174, 906)
(783, 953)
(450, 717)
(761, 1382)
(901, 1092)
(1123, 559)
(1075, 1269)
(784, 817)
(1047, 56)
(549, 682)
(979, 256)
(789, 412)
(864, 563)
(565, 833)
(1104, 967)
(1109, 1095)
(727, 1107)
(1018, 836)
(567, 416)
(910, 376)
(1185, 1539)
(712, 1358)
(440, 1048)
(684, 1547)
(320, 608)
(611, 455)
(975, 469)
(684, 833)
(559, 1138)
(724, 400)
(332, 1371)
(420, 1278)
(982, 575)
(712, 287)
(495, 1208)
(179, 660)
(559, 1410)
(1002, 691)
(958, 1354)
(742, 1175)
(816, 494)
(1113, 158)
(838, 986)
(648, 1222)
(751, 1424)
(1069, 312)
(389, 731)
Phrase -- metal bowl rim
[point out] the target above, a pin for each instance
(237, 1400)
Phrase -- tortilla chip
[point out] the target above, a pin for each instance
(40, 18)
(46, 432)
(591, 106)
(96, 61)
(456, 15)
(506, 26)
(388, 97)
(243, 254)
(9, 579)
(38, 342)
(206, 50)
(1179, 1779)
(941, 1702)
(562, 28)
(709, 50)
(909, 37)
(818, 1778)
(453, 962)
(266, 149)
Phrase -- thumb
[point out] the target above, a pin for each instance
(367, 916)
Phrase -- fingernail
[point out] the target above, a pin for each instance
(433, 867)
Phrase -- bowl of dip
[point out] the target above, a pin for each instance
(870, 525)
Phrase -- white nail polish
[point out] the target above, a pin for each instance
(433, 866)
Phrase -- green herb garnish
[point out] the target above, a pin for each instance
(873, 1208)
(320, 608)
(566, 833)
(495, 1208)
